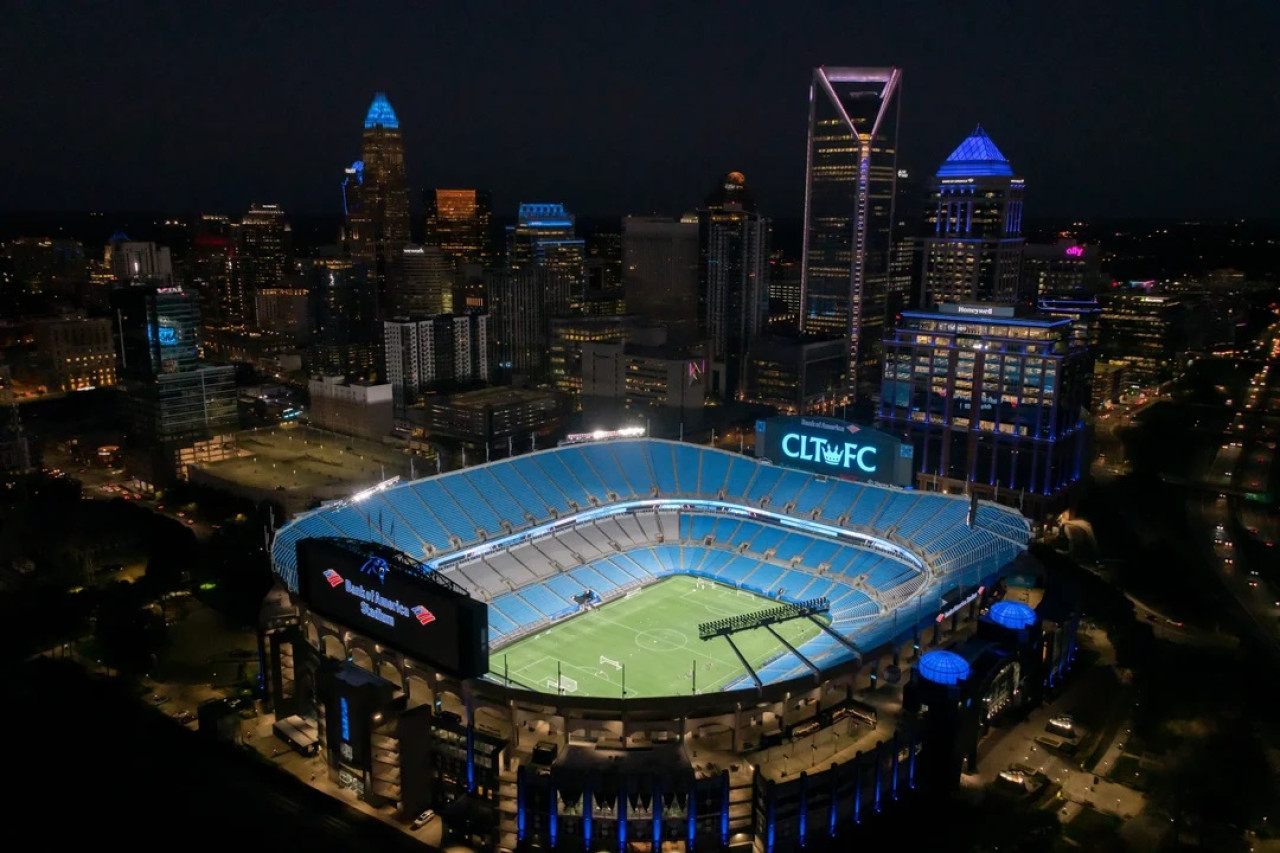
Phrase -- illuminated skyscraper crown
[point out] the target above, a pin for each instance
(976, 157)
(380, 113)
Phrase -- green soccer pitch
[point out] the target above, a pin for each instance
(653, 634)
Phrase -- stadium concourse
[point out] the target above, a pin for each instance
(596, 564)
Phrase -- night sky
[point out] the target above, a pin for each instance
(1158, 108)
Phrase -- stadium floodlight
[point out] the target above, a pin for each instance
(365, 494)
(604, 435)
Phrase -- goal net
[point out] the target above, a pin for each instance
(568, 684)
(604, 661)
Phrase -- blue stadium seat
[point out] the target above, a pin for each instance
(564, 586)
(898, 505)
(499, 623)
(644, 561)
(662, 461)
(605, 464)
(792, 545)
(811, 496)
(498, 497)
(792, 583)
(592, 579)
(516, 609)
(473, 504)
(767, 537)
(787, 488)
(446, 509)
(541, 484)
(611, 572)
(741, 470)
(738, 567)
(762, 486)
(546, 601)
(573, 460)
(715, 467)
(688, 468)
(701, 526)
(634, 464)
(819, 552)
(840, 500)
(867, 506)
(764, 577)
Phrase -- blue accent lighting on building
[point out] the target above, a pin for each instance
(977, 157)
(344, 719)
(943, 667)
(380, 113)
(1012, 614)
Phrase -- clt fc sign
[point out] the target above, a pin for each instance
(847, 455)
(835, 448)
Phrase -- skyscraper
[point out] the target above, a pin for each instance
(733, 280)
(422, 281)
(376, 196)
(181, 410)
(457, 223)
(543, 278)
(660, 272)
(449, 348)
(261, 258)
(973, 242)
(850, 175)
(345, 336)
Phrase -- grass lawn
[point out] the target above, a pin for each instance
(652, 636)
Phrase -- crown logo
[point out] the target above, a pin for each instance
(833, 455)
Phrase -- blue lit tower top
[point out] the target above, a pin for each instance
(1012, 614)
(976, 157)
(943, 667)
(380, 113)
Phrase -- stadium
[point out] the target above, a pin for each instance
(555, 644)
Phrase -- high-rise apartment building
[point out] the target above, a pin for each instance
(376, 197)
(973, 237)
(733, 280)
(458, 224)
(422, 281)
(181, 409)
(850, 175)
(262, 257)
(991, 397)
(660, 272)
(441, 350)
(209, 269)
(542, 278)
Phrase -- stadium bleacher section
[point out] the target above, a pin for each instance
(675, 513)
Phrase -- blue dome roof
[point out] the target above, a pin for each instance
(977, 157)
(1012, 614)
(380, 113)
(943, 667)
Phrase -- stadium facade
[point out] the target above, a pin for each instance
(400, 602)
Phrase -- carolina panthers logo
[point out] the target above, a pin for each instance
(377, 567)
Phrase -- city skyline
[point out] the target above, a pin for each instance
(1093, 106)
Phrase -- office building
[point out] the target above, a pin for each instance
(458, 224)
(569, 335)
(991, 398)
(645, 370)
(1061, 271)
(282, 311)
(497, 421)
(972, 248)
(542, 279)
(131, 262)
(850, 175)
(181, 409)
(796, 374)
(76, 354)
(376, 197)
(362, 409)
(733, 281)
(343, 299)
(262, 258)
(422, 281)
(209, 269)
(1142, 333)
(660, 272)
(447, 349)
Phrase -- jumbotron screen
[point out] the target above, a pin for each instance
(411, 614)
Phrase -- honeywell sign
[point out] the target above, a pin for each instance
(835, 448)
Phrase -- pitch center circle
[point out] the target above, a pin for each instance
(661, 640)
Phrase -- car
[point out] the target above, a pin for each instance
(423, 819)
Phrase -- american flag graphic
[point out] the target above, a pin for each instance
(332, 577)
(425, 616)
